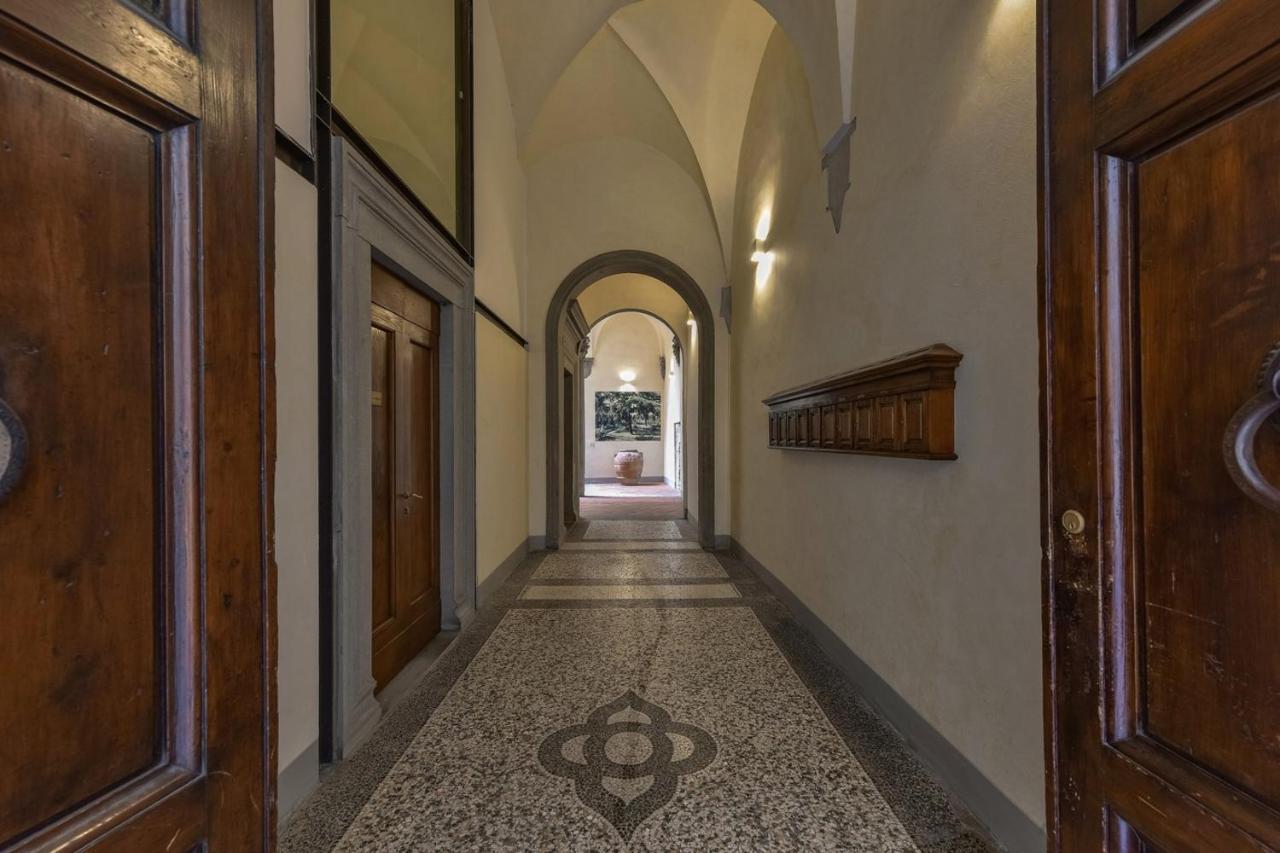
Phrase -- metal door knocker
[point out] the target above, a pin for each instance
(1242, 433)
(13, 450)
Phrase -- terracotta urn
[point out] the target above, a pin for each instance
(628, 465)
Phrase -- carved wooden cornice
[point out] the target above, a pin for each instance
(902, 406)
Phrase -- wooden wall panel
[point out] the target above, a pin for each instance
(903, 406)
(913, 415)
(864, 431)
(829, 426)
(844, 425)
(887, 437)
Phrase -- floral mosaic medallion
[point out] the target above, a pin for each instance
(626, 760)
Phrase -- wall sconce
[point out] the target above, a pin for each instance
(764, 267)
(762, 258)
(627, 375)
(763, 224)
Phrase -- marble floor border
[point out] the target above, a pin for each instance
(935, 819)
(689, 581)
(615, 603)
(630, 546)
(577, 532)
(714, 590)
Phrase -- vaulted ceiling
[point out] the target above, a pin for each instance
(674, 76)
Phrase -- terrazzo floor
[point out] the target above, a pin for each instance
(632, 699)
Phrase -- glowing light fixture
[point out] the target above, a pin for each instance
(764, 268)
(760, 256)
(764, 223)
(627, 375)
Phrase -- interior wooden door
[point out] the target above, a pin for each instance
(406, 452)
(1162, 455)
(135, 596)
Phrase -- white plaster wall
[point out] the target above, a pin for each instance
(297, 535)
(624, 342)
(600, 196)
(930, 572)
(502, 469)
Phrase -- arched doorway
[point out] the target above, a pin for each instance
(615, 338)
(670, 274)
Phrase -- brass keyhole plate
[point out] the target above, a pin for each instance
(1073, 522)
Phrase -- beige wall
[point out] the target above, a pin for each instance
(297, 536)
(502, 378)
(928, 571)
(501, 228)
(502, 415)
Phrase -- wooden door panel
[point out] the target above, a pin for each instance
(135, 595)
(1150, 15)
(1162, 256)
(1169, 86)
(1208, 291)
(384, 470)
(149, 53)
(421, 576)
(406, 538)
(96, 337)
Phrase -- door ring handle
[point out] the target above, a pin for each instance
(13, 450)
(1242, 433)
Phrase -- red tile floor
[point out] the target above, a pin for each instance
(658, 502)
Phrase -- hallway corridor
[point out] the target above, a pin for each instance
(631, 693)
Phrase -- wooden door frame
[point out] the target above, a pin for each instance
(670, 274)
(373, 221)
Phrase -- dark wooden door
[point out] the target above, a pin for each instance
(1161, 315)
(135, 596)
(406, 452)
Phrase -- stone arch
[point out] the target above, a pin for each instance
(654, 266)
